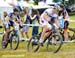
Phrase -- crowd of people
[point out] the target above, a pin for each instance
(16, 19)
(49, 19)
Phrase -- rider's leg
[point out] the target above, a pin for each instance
(7, 30)
(47, 34)
(6, 34)
(65, 35)
(66, 30)
(44, 33)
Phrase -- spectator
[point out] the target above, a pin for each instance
(5, 15)
(35, 20)
(4, 18)
(25, 20)
(65, 16)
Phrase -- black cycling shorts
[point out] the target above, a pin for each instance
(66, 23)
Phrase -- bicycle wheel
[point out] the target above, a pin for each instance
(33, 44)
(3, 43)
(14, 42)
(73, 37)
(54, 43)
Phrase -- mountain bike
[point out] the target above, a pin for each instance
(13, 39)
(55, 35)
(72, 37)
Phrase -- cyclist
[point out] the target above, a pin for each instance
(49, 20)
(65, 16)
(10, 19)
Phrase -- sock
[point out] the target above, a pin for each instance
(41, 40)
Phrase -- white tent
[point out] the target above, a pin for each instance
(4, 6)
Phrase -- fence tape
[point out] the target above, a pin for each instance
(71, 20)
(32, 25)
(41, 25)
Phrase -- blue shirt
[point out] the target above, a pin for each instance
(13, 16)
(61, 22)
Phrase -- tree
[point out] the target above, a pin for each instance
(71, 1)
(55, 0)
(36, 2)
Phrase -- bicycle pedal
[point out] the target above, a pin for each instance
(41, 44)
(3, 47)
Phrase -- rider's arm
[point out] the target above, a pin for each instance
(57, 22)
(18, 18)
(46, 17)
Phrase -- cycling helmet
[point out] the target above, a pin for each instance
(15, 10)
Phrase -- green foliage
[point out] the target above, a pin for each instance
(71, 1)
(36, 2)
(55, 0)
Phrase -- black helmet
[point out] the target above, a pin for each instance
(15, 10)
(61, 5)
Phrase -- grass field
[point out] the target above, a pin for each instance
(67, 50)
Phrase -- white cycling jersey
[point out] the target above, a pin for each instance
(50, 14)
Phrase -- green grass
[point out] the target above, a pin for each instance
(67, 50)
(72, 17)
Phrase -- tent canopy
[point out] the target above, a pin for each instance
(4, 4)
